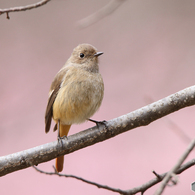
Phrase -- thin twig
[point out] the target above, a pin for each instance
(103, 12)
(175, 168)
(178, 130)
(157, 175)
(22, 8)
(142, 188)
(79, 178)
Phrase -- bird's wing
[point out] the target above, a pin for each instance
(55, 86)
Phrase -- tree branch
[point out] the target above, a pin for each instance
(132, 191)
(103, 12)
(170, 174)
(137, 118)
(22, 8)
(159, 178)
(78, 178)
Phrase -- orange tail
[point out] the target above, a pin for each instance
(64, 129)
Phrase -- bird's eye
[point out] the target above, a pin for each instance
(82, 55)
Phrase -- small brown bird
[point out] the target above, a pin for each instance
(76, 92)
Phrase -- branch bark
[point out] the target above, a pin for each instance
(22, 8)
(137, 118)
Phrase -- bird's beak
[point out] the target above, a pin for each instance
(98, 53)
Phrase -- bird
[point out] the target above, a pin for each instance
(76, 93)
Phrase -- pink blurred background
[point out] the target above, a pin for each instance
(149, 53)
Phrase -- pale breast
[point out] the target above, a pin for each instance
(79, 97)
